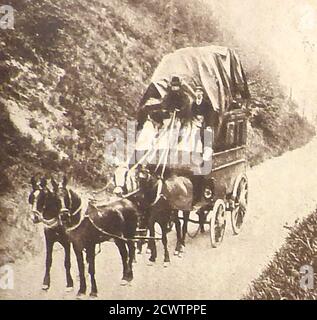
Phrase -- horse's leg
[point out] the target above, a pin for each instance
(131, 248)
(143, 225)
(164, 227)
(91, 268)
(152, 244)
(185, 225)
(148, 247)
(67, 263)
(178, 232)
(49, 257)
(139, 246)
(124, 256)
(201, 216)
(184, 230)
(147, 232)
(81, 270)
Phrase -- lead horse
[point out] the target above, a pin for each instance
(89, 226)
(45, 209)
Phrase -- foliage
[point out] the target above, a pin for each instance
(281, 279)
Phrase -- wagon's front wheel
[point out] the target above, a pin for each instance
(217, 223)
(240, 205)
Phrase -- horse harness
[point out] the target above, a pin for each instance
(84, 215)
(159, 193)
(48, 223)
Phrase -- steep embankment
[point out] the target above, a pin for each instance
(71, 70)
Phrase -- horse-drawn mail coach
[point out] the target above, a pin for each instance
(192, 123)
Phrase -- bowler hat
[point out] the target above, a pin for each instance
(175, 81)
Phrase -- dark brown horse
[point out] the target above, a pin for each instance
(164, 198)
(45, 209)
(94, 224)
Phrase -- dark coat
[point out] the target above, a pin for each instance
(177, 100)
(204, 109)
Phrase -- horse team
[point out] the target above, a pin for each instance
(68, 219)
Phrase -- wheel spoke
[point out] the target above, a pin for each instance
(217, 223)
(241, 201)
(220, 224)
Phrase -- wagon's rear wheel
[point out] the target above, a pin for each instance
(217, 223)
(240, 205)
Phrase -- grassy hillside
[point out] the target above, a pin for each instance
(72, 69)
(281, 279)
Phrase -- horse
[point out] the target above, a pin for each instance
(88, 227)
(45, 209)
(164, 198)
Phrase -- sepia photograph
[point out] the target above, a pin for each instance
(158, 150)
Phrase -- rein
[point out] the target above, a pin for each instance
(159, 193)
(82, 217)
(124, 196)
(134, 239)
(107, 233)
(127, 195)
(166, 152)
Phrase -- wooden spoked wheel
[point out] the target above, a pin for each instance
(240, 205)
(217, 223)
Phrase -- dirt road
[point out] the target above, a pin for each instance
(281, 190)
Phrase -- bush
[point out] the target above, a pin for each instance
(281, 279)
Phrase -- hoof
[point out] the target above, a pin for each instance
(45, 287)
(80, 296)
(176, 253)
(150, 263)
(148, 251)
(124, 283)
(166, 264)
(93, 295)
(180, 254)
(69, 289)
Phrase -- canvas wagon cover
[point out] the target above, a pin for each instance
(217, 69)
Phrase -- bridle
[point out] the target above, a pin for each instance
(70, 215)
(48, 223)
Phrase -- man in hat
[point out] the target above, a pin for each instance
(202, 118)
(201, 109)
(177, 100)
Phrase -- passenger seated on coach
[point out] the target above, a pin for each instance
(177, 100)
(156, 119)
